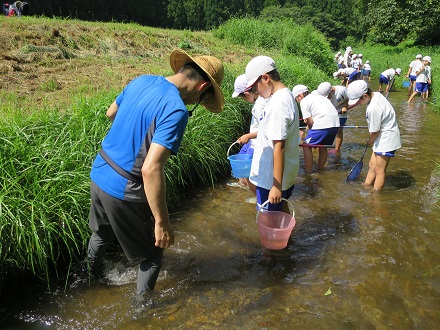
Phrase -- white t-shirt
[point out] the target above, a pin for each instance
(389, 74)
(280, 122)
(257, 115)
(339, 99)
(415, 66)
(367, 66)
(424, 75)
(382, 118)
(322, 111)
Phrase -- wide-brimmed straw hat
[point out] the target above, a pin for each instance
(213, 68)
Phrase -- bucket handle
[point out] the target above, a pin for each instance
(266, 202)
(227, 154)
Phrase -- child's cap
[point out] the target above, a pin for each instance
(256, 67)
(360, 55)
(399, 71)
(419, 56)
(355, 56)
(324, 88)
(299, 89)
(239, 85)
(367, 62)
(355, 91)
(336, 74)
(427, 58)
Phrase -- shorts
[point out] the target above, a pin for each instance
(383, 80)
(247, 149)
(353, 76)
(366, 72)
(263, 196)
(387, 153)
(132, 223)
(321, 136)
(421, 87)
(342, 121)
(412, 77)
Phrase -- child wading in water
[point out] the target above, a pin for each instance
(383, 128)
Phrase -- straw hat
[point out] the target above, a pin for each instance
(213, 68)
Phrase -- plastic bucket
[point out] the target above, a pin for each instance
(275, 227)
(405, 83)
(240, 164)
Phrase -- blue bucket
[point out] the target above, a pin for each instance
(240, 164)
(406, 83)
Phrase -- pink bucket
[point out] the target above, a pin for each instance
(275, 227)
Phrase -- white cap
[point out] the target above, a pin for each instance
(399, 71)
(348, 49)
(239, 85)
(355, 55)
(299, 89)
(336, 74)
(355, 91)
(419, 56)
(360, 55)
(367, 62)
(427, 58)
(324, 88)
(257, 66)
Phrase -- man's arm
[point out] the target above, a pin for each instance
(112, 110)
(153, 174)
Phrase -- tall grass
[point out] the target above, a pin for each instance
(292, 39)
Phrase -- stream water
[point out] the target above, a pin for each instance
(355, 260)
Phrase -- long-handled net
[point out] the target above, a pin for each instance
(357, 169)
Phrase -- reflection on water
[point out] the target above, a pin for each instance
(354, 260)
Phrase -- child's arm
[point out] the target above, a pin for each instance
(275, 194)
(246, 137)
(373, 136)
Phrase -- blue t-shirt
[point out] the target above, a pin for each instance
(150, 109)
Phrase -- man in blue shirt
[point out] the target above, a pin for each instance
(128, 193)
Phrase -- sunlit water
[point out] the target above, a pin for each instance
(355, 260)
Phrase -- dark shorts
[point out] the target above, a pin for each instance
(383, 80)
(352, 77)
(366, 72)
(421, 87)
(263, 195)
(388, 153)
(321, 136)
(412, 78)
(131, 223)
(342, 121)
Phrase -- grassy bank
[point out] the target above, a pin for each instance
(58, 78)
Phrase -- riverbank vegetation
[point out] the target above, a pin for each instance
(60, 75)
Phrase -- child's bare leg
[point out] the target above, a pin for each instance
(308, 159)
(251, 186)
(322, 158)
(338, 141)
(380, 171)
(371, 175)
(412, 96)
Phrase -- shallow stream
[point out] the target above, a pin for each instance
(355, 260)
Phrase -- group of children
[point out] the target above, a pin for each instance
(274, 137)
(419, 75)
(351, 66)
